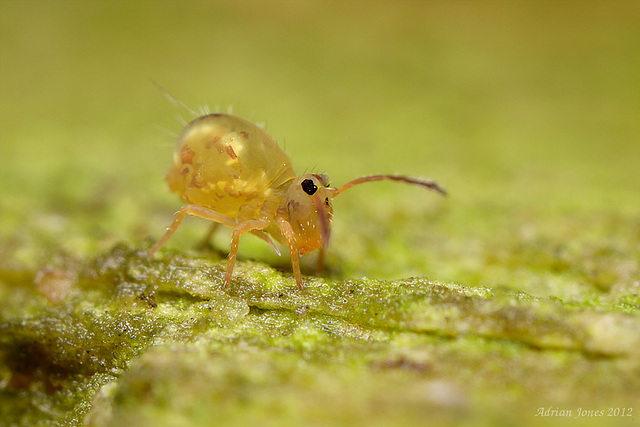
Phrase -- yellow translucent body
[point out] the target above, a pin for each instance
(232, 172)
(231, 166)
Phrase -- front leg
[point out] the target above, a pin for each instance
(289, 234)
(239, 230)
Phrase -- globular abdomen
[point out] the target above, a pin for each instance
(230, 165)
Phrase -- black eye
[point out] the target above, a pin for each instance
(309, 187)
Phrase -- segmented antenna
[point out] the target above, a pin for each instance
(432, 185)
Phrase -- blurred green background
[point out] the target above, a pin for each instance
(527, 112)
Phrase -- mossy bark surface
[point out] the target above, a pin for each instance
(136, 341)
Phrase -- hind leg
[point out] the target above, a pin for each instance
(205, 243)
(195, 210)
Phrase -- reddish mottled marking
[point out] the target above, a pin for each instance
(215, 142)
(186, 156)
(292, 205)
(231, 191)
(244, 133)
(230, 152)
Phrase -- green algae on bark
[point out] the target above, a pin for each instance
(148, 341)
